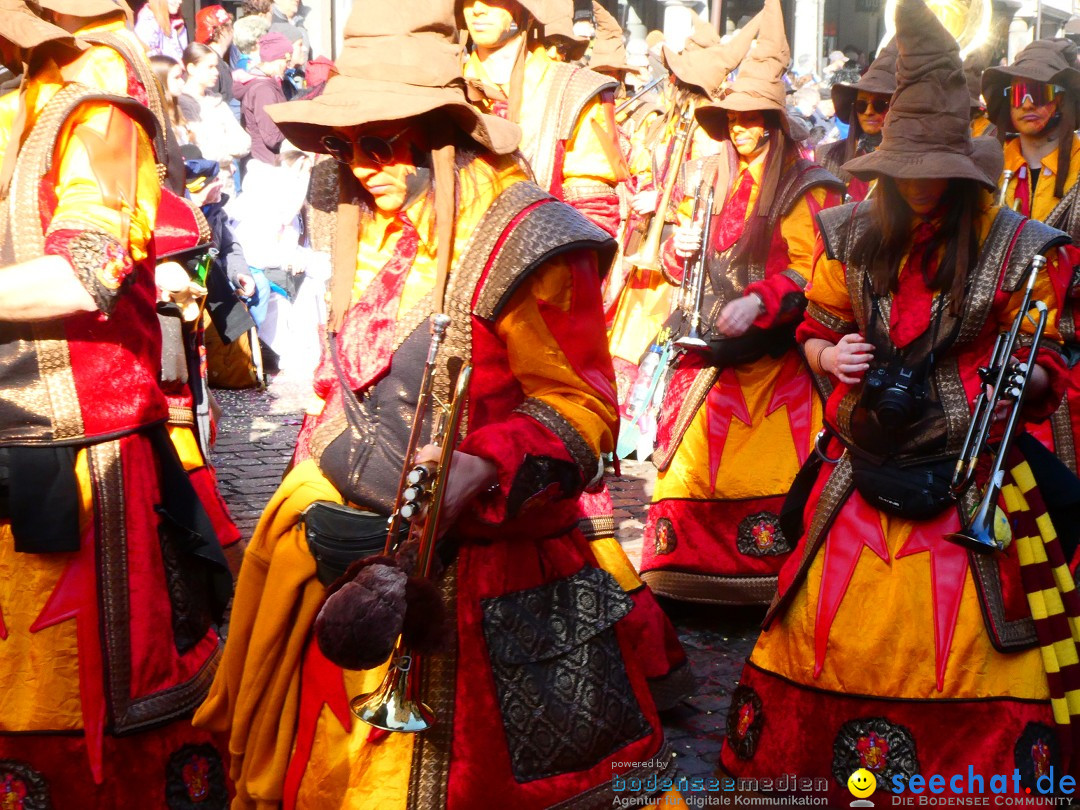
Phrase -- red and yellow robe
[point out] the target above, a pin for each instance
(103, 652)
(876, 653)
(541, 409)
(712, 533)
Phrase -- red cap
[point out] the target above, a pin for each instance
(208, 20)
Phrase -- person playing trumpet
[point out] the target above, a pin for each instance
(1035, 103)
(433, 214)
(888, 647)
(713, 532)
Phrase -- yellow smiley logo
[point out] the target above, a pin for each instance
(862, 783)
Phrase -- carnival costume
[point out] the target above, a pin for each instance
(114, 580)
(880, 79)
(522, 587)
(1048, 195)
(733, 432)
(889, 646)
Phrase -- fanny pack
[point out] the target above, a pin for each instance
(338, 536)
(752, 345)
(914, 491)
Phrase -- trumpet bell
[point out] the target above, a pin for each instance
(390, 709)
(644, 261)
(985, 536)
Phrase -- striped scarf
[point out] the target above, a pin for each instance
(1051, 595)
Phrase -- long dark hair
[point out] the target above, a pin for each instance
(753, 246)
(1066, 126)
(889, 236)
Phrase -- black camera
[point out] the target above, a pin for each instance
(896, 394)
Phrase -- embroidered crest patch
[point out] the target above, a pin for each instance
(883, 748)
(195, 779)
(665, 536)
(22, 788)
(745, 718)
(760, 536)
(1036, 752)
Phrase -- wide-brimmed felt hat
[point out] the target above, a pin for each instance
(705, 68)
(975, 63)
(23, 28)
(1052, 61)
(759, 84)
(86, 9)
(880, 77)
(927, 130)
(608, 50)
(399, 61)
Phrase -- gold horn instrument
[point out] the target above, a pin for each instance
(647, 256)
(969, 21)
(693, 338)
(1008, 380)
(396, 705)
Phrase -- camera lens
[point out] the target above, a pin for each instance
(895, 407)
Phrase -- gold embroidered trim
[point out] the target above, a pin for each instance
(827, 319)
(695, 396)
(1064, 441)
(954, 402)
(429, 777)
(710, 589)
(575, 444)
(181, 416)
(596, 527)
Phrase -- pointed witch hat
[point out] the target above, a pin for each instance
(23, 28)
(608, 50)
(1050, 61)
(706, 61)
(399, 60)
(975, 64)
(927, 130)
(880, 77)
(760, 82)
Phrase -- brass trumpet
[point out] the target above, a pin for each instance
(647, 256)
(395, 705)
(1009, 382)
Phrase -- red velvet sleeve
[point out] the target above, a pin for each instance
(550, 446)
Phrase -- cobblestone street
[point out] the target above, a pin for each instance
(255, 438)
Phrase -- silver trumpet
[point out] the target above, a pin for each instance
(1008, 379)
(697, 274)
(1006, 178)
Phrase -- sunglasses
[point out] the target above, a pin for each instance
(1039, 93)
(379, 151)
(878, 105)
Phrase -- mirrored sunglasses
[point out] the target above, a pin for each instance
(878, 105)
(379, 151)
(1038, 93)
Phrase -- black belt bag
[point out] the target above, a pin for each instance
(914, 491)
(750, 346)
(338, 536)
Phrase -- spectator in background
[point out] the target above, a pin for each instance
(257, 8)
(211, 122)
(317, 72)
(294, 81)
(287, 17)
(170, 74)
(161, 28)
(246, 35)
(258, 88)
(214, 28)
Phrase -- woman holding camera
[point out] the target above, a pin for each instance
(913, 655)
(713, 530)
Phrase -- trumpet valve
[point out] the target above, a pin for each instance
(409, 510)
(413, 494)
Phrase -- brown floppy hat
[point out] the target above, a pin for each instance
(23, 28)
(759, 84)
(975, 63)
(399, 61)
(1051, 61)
(608, 50)
(880, 77)
(87, 9)
(927, 129)
(705, 67)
